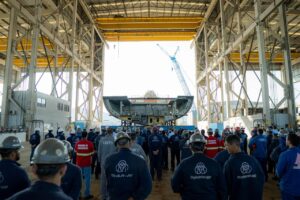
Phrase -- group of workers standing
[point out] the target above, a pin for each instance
(213, 166)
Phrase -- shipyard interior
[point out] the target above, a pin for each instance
(247, 83)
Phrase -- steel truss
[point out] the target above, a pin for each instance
(235, 27)
(56, 38)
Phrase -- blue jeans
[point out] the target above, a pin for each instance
(86, 172)
(286, 196)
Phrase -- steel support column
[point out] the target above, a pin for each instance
(31, 97)
(262, 62)
(243, 69)
(8, 67)
(71, 73)
(91, 87)
(289, 91)
(225, 62)
(207, 75)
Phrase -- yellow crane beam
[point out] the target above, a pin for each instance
(142, 20)
(149, 28)
(26, 44)
(149, 36)
(42, 61)
(254, 57)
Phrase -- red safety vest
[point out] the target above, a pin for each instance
(84, 150)
(212, 147)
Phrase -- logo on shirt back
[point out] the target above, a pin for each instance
(297, 162)
(122, 166)
(245, 168)
(200, 168)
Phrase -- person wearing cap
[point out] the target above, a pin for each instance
(155, 153)
(135, 147)
(92, 138)
(244, 140)
(212, 145)
(34, 140)
(106, 147)
(127, 174)
(175, 149)
(185, 150)
(199, 177)
(271, 147)
(165, 143)
(84, 151)
(243, 174)
(288, 169)
(71, 181)
(60, 134)
(10, 168)
(259, 146)
(49, 165)
(49, 134)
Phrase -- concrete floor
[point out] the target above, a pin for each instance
(160, 191)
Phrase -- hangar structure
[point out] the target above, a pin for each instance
(65, 40)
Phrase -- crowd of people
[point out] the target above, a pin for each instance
(205, 164)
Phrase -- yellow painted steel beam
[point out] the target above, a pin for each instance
(137, 20)
(146, 23)
(149, 36)
(147, 26)
(254, 57)
(26, 44)
(41, 62)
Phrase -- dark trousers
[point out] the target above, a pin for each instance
(263, 164)
(175, 153)
(271, 166)
(31, 154)
(165, 157)
(286, 196)
(94, 162)
(155, 165)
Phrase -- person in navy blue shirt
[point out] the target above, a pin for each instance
(222, 157)
(71, 182)
(174, 142)
(165, 143)
(155, 153)
(60, 134)
(49, 165)
(184, 145)
(10, 169)
(260, 150)
(49, 134)
(244, 175)
(34, 140)
(199, 177)
(288, 169)
(127, 174)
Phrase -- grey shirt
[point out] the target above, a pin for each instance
(105, 148)
(138, 150)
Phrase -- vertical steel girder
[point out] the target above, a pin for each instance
(91, 87)
(289, 93)
(31, 108)
(243, 69)
(207, 76)
(73, 41)
(225, 62)
(8, 67)
(262, 63)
